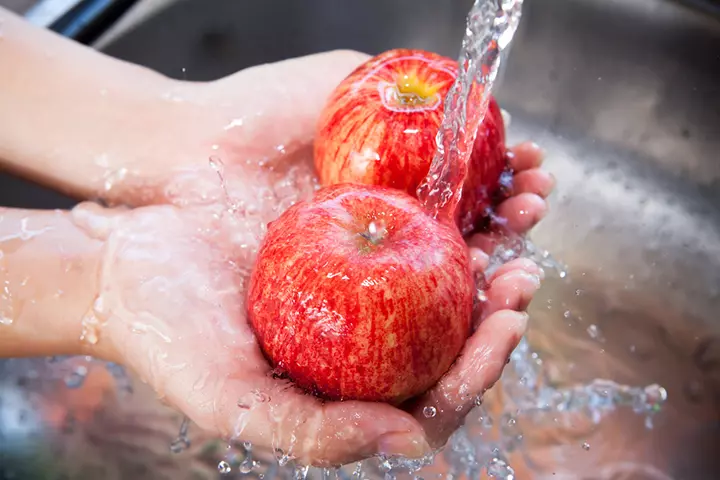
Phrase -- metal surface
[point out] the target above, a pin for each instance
(625, 97)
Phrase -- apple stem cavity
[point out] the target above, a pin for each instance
(374, 234)
(397, 320)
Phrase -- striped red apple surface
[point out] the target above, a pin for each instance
(379, 128)
(359, 293)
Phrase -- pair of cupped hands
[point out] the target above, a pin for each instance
(180, 235)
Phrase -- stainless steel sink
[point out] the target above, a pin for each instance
(625, 97)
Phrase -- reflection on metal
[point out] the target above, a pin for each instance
(46, 12)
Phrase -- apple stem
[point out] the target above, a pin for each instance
(373, 234)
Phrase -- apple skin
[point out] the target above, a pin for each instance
(351, 311)
(379, 126)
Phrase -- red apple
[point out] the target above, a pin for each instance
(379, 127)
(360, 294)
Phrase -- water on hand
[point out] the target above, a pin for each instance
(494, 432)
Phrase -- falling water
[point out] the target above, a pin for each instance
(491, 25)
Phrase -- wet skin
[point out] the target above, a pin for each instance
(156, 280)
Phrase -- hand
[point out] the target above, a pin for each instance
(175, 271)
(205, 167)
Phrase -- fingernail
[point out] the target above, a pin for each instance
(405, 444)
(535, 279)
(552, 181)
(537, 147)
(541, 273)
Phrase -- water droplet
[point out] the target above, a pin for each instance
(224, 467)
(5, 320)
(284, 459)
(498, 468)
(593, 331)
(112, 177)
(234, 123)
(247, 466)
(586, 446)
(216, 163)
(487, 421)
(90, 329)
(76, 378)
(122, 380)
(182, 442)
(301, 473)
(179, 445)
(566, 314)
(261, 397)
(429, 412)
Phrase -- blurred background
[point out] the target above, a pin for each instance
(624, 95)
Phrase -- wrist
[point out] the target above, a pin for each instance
(69, 113)
(49, 273)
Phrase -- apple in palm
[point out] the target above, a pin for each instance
(360, 294)
(379, 127)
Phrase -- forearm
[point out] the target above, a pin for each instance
(48, 283)
(69, 113)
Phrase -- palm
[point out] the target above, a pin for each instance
(174, 283)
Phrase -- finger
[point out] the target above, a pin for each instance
(352, 431)
(308, 81)
(278, 104)
(513, 290)
(515, 217)
(477, 369)
(479, 260)
(522, 212)
(534, 181)
(525, 156)
(278, 416)
(519, 264)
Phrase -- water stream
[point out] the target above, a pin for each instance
(490, 27)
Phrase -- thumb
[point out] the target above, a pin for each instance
(278, 104)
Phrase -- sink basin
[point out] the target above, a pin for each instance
(624, 95)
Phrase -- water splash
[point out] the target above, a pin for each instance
(499, 468)
(122, 379)
(490, 27)
(76, 378)
(182, 442)
(224, 468)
